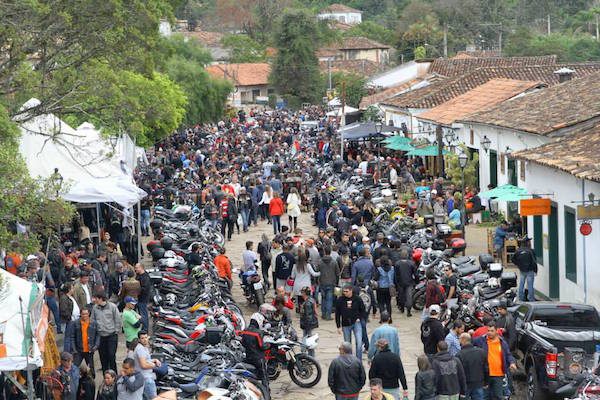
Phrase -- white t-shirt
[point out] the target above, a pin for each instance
(76, 311)
(88, 297)
(363, 166)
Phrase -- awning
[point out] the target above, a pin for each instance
(505, 193)
(397, 139)
(400, 146)
(363, 130)
(426, 151)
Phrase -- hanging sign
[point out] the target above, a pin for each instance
(534, 207)
(585, 228)
(588, 212)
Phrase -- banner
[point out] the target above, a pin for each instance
(531, 207)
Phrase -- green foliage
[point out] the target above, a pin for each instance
(568, 48)
(244, 49)
(454, 172)
(373, 31)
(355, 87)
(371, 114)
(420, 52)
(295, 72)
(176, 45)
(23, 200)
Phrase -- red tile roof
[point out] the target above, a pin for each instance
(452, 67)
(481, 98)
(246, 74)
(389, 92)
(339, 8)
(576, 154)
(208, 39)
(361, 43)
(544, 112)
(447, 89)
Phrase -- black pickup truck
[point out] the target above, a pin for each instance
(555, 343)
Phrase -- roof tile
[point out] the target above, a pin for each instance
(452, 67)
(339, 8)
(245, 74)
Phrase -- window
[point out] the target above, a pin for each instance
(522, 170)
(570, 237)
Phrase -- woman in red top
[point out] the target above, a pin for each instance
(276, 211)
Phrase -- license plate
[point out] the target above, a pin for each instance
(258, 285)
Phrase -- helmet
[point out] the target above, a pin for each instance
(166, 242)
(417, 255)
(156, 224)
(266, 309)
(157, 253)
(259, 319)
(170, 254)
(170, 299)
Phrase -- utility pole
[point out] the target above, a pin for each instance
(548, 24)
(343, 119)
(597, 30)
(329, 72)
(439, 137)
(500, 41)
(445, 40)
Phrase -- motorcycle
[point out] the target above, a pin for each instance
(252, 286)
(304, 370)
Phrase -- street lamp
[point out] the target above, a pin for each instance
(113, 141)
(485, 143)
(508, 150)
(449, 136)
(462, 162)
(378, 129)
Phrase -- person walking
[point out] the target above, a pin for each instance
(69, 373)
(449, 374)
(284, 263)
(425, 388)
(388, 367)
(87, 386)
(86, 340)
(264, 253)
(524, 258)
(132, 321)
(452, 338)
(106, 316)
(275, 212)
(145, 294)
(346, 375)
(69, 309)
(130, 287)
(293, 203)
(405, 271)
(330, 274)
(349, 310)
(302, 274)
(130, 385)
(432, 331)
(384, 276)
(475, 366)
(388, 332)
(499, 360)
(223, 265)
(82, 291)
(265, 202)
(308, 315)
(108, 387)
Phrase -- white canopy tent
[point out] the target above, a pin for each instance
(86, 162)
(338, 112)
(22, 322)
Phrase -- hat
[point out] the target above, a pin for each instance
(365, 239)
(130, 300)
(354, 227)
(434, 191)
(434, 309)
(31, 257)
(66, 356)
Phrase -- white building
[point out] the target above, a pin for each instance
(566, 171)
(341, 13)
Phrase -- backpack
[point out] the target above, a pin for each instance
(439, 292)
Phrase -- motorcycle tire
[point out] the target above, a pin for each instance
(273, 370)
(418, 299)
(310, 367)
(259, 296)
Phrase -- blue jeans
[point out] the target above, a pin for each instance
(53, 306)
(276, 224)
(326, 300)
(145, 222)
(322, 218)
(356, 328)
(143, 310)
(245, 218)
(529, 277)
(365, 336)
(495, 389)
(475, 394)
(254, 214)
(149, 388)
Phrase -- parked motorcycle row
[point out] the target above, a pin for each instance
(197, 323)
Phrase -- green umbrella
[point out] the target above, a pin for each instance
(426, 151)
(399, 146)
(396, 139)
(506, 193)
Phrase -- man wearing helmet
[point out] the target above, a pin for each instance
(252, 340)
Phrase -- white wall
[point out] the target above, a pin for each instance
(347, 18)
(565, 189)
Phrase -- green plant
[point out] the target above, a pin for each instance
(420, 52)
(454, 172)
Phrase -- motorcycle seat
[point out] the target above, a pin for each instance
(467, 269)
(461, 260)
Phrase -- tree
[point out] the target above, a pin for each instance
(25, 201)
(355, 87)
(372, 31)
(244, 49)
(454, 172)
(295, 72)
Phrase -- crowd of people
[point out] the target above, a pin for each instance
(237, 173)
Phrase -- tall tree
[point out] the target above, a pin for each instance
(295, 72)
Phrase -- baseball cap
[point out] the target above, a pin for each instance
(354, 227)
(434, 309)
(31, 257)
(130, 300)
(66, 356)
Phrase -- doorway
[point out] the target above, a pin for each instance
(554, 277)
(493, 168)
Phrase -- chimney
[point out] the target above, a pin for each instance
(564, 74)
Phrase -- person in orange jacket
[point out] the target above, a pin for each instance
(276, 211)
(223, 265)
